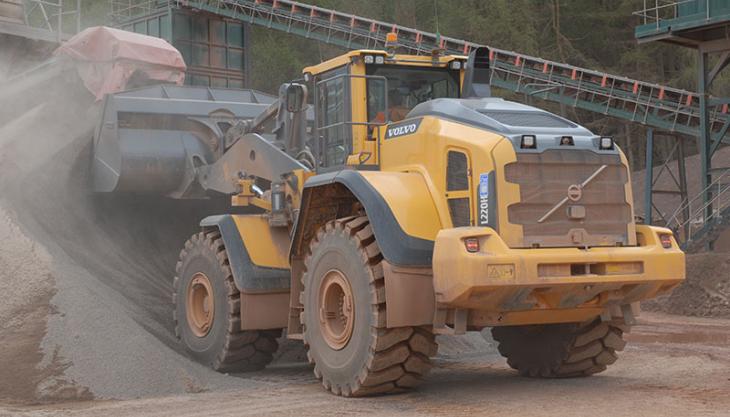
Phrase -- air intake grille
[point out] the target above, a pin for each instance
(457, 176)
(460, 213)
(528, 119)
(599, 213)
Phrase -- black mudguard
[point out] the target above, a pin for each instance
(397, 247)
(249, 278)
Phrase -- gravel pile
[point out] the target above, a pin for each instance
(86, 313)
(706, 292)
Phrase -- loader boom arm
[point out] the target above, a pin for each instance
(250, 156)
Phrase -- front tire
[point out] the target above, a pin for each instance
(207, 308)
(561, 350)
(353, 352)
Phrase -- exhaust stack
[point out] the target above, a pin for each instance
(478, 74)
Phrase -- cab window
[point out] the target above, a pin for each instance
(333, 112)
(407, 87)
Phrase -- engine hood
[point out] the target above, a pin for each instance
(511, 120)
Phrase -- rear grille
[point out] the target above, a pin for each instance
(600, 217)
(460, 213)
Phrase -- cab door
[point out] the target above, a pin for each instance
(333, 113)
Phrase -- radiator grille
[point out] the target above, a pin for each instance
(544, 180)
(457, 177)
(460, 213)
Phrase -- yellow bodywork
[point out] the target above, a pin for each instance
(412, 201)
(500, 284)
(267, 246)
(505, 284)
(425, 152)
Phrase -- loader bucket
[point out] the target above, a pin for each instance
(152, 140)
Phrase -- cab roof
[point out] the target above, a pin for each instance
(413, 60)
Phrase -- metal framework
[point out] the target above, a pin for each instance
(46, 20)
(122, 10)
(665, 108)
(701, 25)
(657, 11)
(661, 107)
(678, 181)
(669, 110)
(664, 19)
(699, 220)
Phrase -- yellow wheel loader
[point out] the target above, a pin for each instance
(381, 200)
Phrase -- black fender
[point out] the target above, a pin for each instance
(397, 247)
(249, 278)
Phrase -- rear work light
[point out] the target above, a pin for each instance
(606, 143)
(528, 142)
(666, 240)
(472, 244)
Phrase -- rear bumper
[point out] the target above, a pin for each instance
(510, 286)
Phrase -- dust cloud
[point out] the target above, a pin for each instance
(90, 275)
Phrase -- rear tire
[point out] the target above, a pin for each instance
(561, 350)
(207, 309)
(353, 352)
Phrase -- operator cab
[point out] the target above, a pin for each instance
(357, 94)
(407, 86)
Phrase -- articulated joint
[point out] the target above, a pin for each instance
(248, 196)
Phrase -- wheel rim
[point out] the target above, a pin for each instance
(200, 305)
(336, 309)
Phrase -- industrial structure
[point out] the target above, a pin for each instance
(214, 46)
(669, 112)
(702, 25)
(31, 29)
(40, 20)
(213, 37)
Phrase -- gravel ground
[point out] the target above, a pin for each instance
(672, 367)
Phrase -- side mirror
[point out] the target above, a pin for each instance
(295, 98)
(477, 75)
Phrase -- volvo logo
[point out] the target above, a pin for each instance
(402, 129)
(575, 192)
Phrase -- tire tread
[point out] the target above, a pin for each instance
(583, 349)
(243, 350)
(398, 358)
